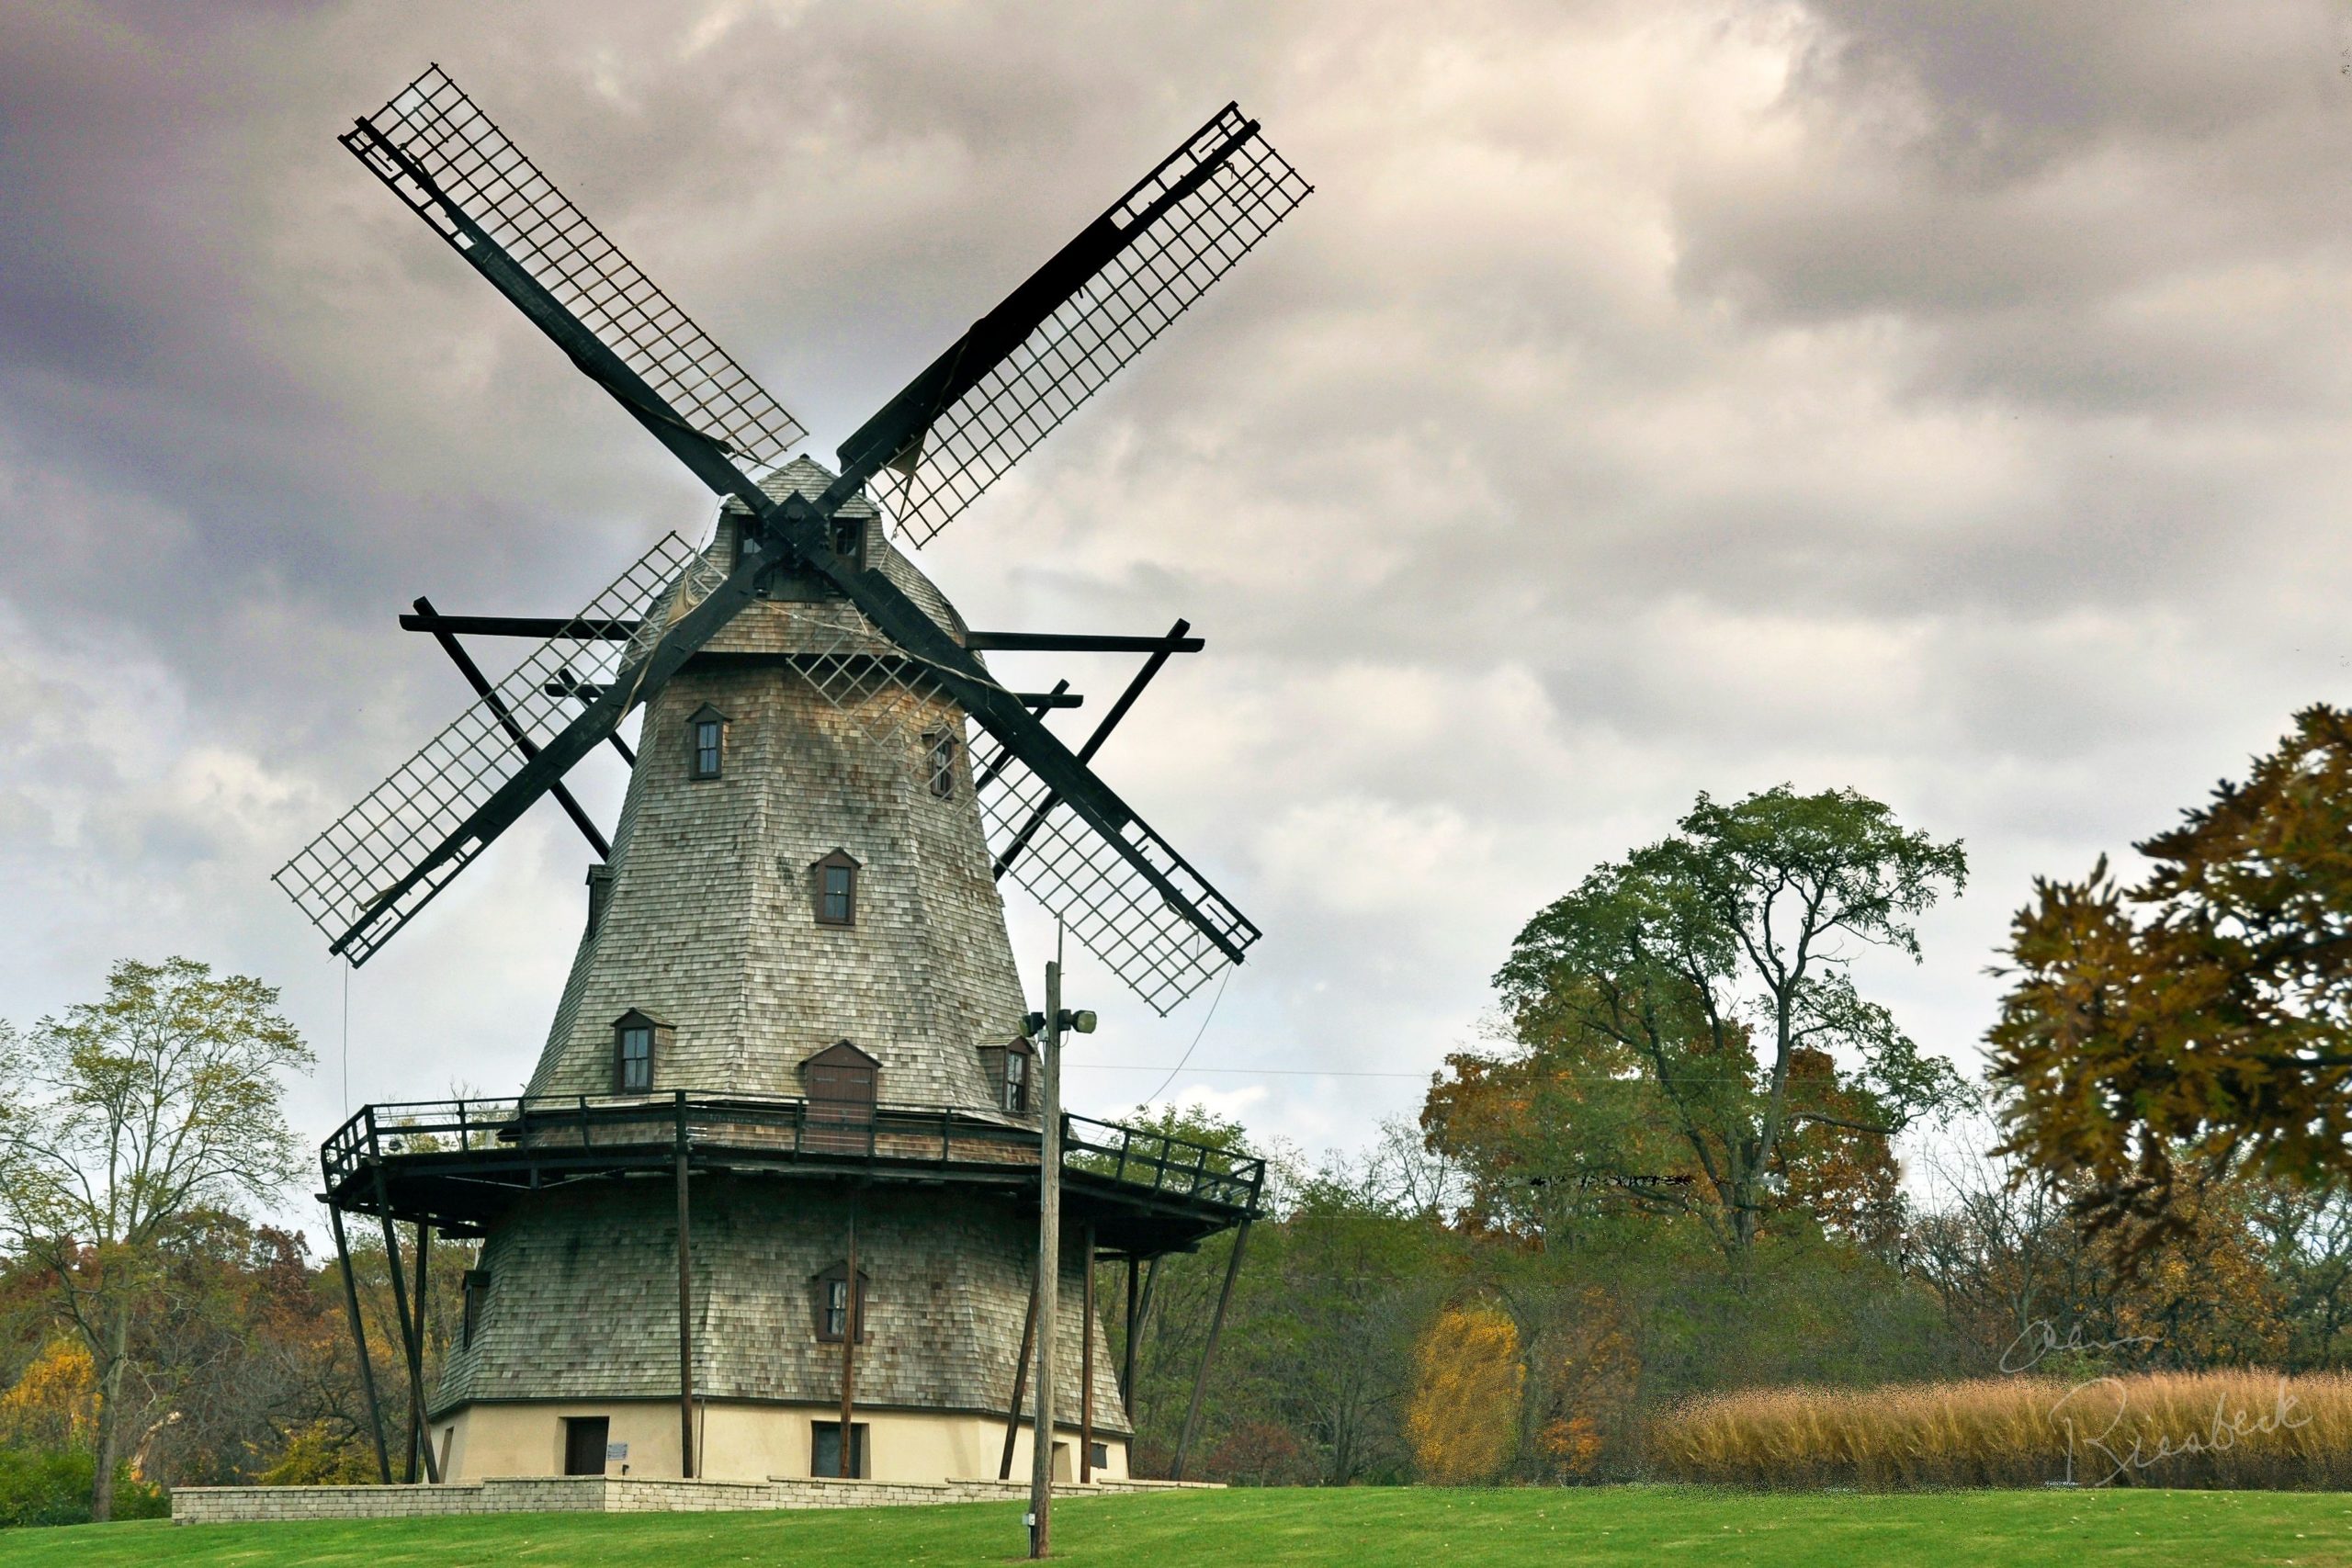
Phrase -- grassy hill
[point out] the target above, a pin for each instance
(1363, 1527)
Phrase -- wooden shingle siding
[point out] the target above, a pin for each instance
(584, 1304)
(708, 918)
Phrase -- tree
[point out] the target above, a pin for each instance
(1463, 1421)
(1353, 1267)
(1688, 1035)
(2307, 1234)
(123, 1123)
(2027, 1286)
(2199, 1023)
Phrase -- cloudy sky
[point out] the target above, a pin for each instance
(1949, 400)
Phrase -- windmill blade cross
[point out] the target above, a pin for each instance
(451, 164)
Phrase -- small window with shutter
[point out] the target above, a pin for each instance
(705, 742)
(1010, 1067)
(639, 1039)
(834, 882)
(939, 763)
(832, 1305)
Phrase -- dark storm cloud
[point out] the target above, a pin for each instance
(1941, 400)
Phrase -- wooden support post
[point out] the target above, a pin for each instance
(1208, 1351)
(1151, 1279)
(685, 1309)
(850, 1326)
(359, 1340)
(415, 1358)
(423, 1433)
(1086, 1367)
(1127, 1352)
(1020, 1382)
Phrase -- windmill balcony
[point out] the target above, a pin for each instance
(456, 1164)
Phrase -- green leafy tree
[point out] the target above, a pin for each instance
(1688, 1036)
(2200, 1021)
(120, 1123)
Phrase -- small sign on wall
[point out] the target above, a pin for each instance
(615, 1452)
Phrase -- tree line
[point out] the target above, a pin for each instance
(1674, 1169)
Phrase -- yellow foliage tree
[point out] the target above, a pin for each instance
(55, 1403)
(1464, 1419)
(318, 1455)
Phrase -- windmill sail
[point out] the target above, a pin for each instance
(450, 163)
(1057, 339)
(349, 880)
(1061, 831)
(1164, 947)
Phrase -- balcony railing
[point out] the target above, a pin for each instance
(573, 1128)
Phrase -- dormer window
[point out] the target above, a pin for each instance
(939, 763)
(1016, 1082)
(639, 1040)
(600, 893)
(849, 542)
(833, 1305)
(834, 881)
(1011, 1068)
(705, 742)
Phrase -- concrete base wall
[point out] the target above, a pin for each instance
(739, 1440)
(606, 1495)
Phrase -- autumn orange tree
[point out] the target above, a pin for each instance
(2199, 1023)
(1687, 1036)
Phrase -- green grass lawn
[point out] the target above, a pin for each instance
(1363, 1528)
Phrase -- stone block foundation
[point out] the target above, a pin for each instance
(608, 1494)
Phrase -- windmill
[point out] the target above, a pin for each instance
(794, 1009)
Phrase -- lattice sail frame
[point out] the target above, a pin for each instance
(1104, 900)
(869, 679)
(453, 165)
(1103, 326)
(461, 150)
(387, 835)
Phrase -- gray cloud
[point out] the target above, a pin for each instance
(1945, 400)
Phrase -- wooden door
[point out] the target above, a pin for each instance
(583, 1444)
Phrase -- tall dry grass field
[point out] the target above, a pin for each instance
(2248, 1429)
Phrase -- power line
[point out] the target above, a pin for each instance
(1195, 1045)
(1353, 1073)
(1262, 1072)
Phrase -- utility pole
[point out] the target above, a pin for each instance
(1048, 1028)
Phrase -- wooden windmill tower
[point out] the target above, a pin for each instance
(774, 1182)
